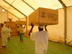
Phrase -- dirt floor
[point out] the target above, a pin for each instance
(14, 46)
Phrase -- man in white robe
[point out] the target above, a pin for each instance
(41, 40)
(4, 35)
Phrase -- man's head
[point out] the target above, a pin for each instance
(2, 25)
(20, 24)
(17, 26)
(8, 26)
(40, 28)
(4, 22)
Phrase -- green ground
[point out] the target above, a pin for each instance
(14, 46)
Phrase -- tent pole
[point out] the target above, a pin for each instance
(65, 17)
(11, 13)
(28, 5)
(15, 8)
(12, 3)
(26, 24)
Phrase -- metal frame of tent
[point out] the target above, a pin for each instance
(11, 13)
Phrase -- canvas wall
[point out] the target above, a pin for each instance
(56, 32)
(69, 24)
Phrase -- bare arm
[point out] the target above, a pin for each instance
(45, 28)
(31, 29)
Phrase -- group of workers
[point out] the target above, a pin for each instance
(41, 37)
(5, 33)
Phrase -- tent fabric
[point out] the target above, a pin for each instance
(25, 9)
(67, 2)
(53, 4)
(10, 9)
(69, 24)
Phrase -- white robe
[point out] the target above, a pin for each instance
(41, 42)
(9, 32)
(4, 35)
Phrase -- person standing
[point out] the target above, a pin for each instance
(4, 35)
(17, 29)
(9, 32)
(41, 39)
(21, 32)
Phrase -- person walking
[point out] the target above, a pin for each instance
(40, 38)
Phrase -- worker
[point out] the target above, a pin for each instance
(9, 32)
(21, 32)
(4, 36)
(41, 39)
(17, 29)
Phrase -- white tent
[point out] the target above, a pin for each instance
(21, 9)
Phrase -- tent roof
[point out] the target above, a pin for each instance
(23, 8)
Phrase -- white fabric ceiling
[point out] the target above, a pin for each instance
(20, 9)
